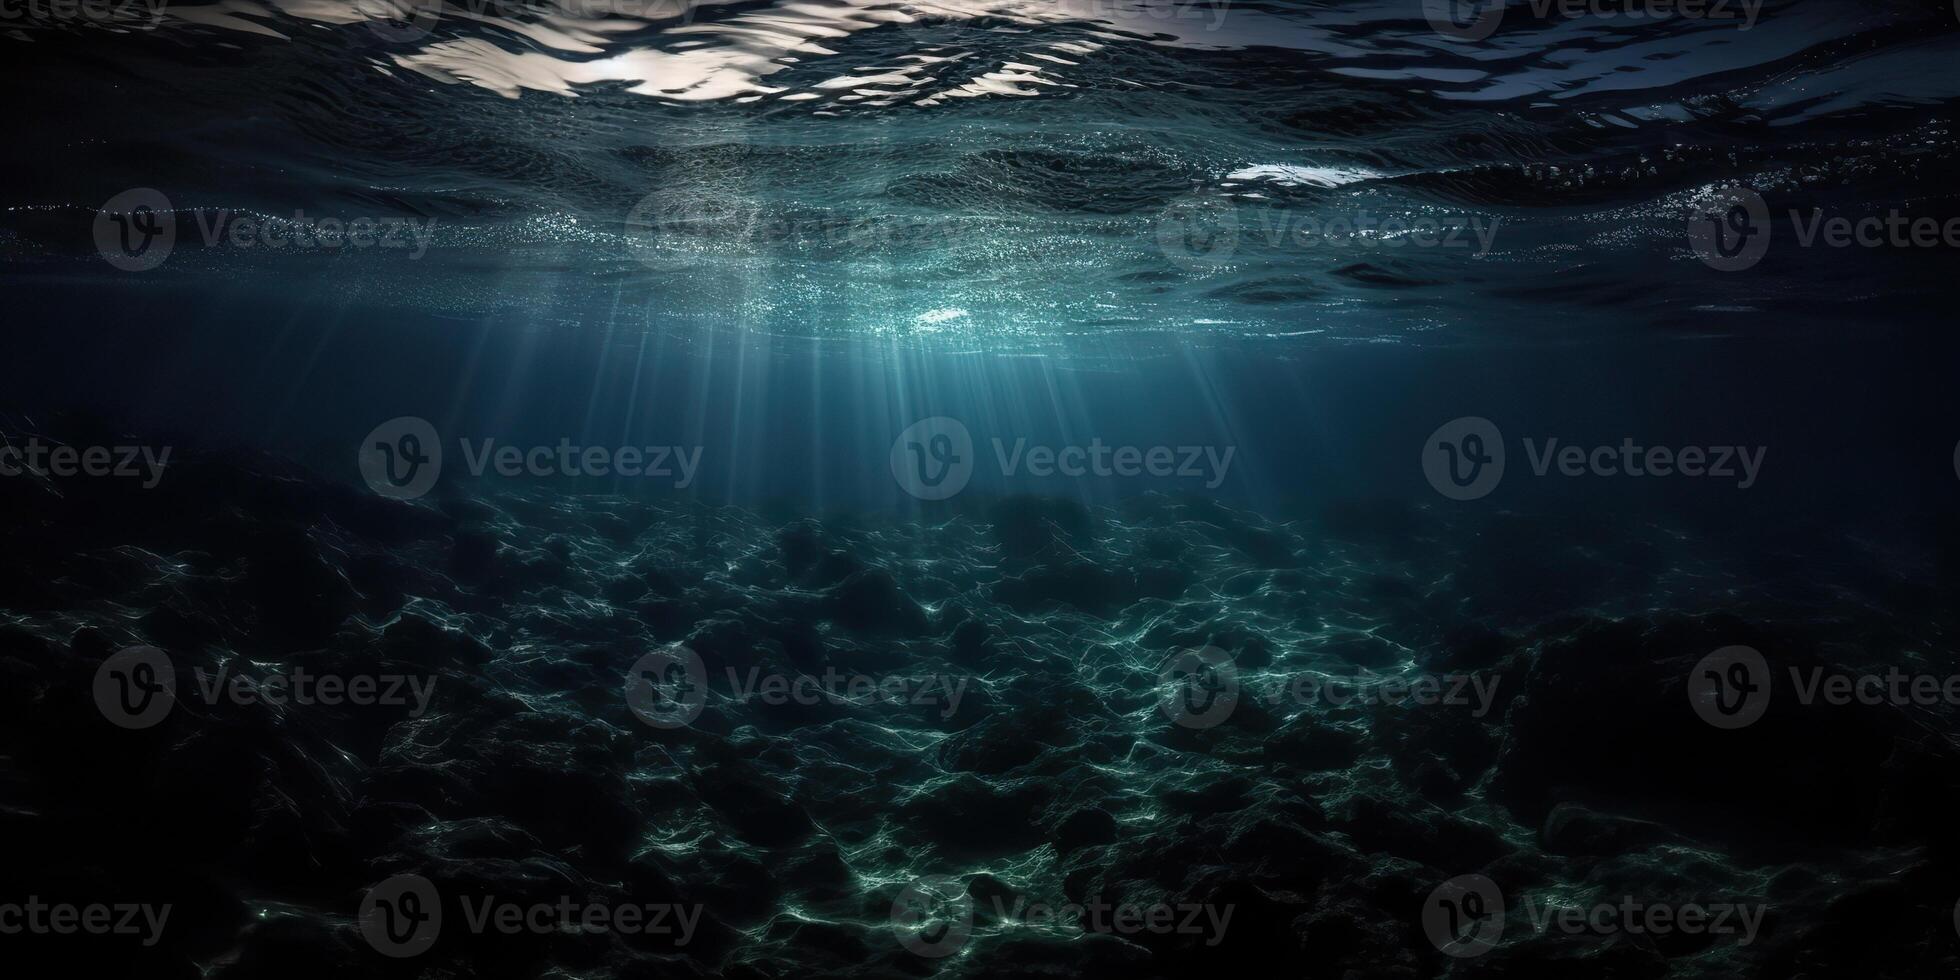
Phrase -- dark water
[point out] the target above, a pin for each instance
(1112, 488)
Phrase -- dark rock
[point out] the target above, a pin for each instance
(1573, 829)
(1081, 584)
(1033, 527)
(1419, 832)
(1605, 720)
(411, 639)
(993, 899)
(760, 811)
(871, 602)
(1085, 827)
(301, 600)
(970, 639)
(1005, 741)
(473, 557)
(971, 818)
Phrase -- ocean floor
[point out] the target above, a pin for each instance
(1162, 738)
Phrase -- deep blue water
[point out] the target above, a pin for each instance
(1322, 264)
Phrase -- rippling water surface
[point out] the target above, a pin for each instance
(1010, 173)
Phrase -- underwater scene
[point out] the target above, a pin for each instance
(1350, 489)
